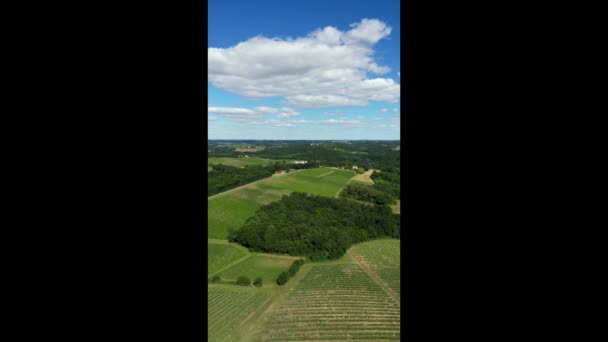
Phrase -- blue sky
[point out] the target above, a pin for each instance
(304, 69)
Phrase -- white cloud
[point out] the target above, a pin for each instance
(267, 110)
(395, 109)
(326, 68)
(244, 114)
(384, 110)
(293, 123)
(287, 112)
(211, 118)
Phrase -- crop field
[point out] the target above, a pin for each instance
(266, 266)
(242, 162)
(234, 208)
(222, 254)
(381, 257)
(334, 302)
(229, 307)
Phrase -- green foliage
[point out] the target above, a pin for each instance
(295, 267)
(216, 279)
(282, 279)
(367, 193)
(318, 227)
(257, 282)
(242, 280)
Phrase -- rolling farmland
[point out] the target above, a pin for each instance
(232, 209)
(353, 298)
(242, 162)
(335, 302)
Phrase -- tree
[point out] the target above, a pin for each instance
(242, 280)
(282, 279)
(257, 282)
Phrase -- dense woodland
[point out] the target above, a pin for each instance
(318, 227)
(381, 155)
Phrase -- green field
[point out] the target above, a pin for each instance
(221, 254)
(229, 307)
(267, 266)
(233, 208)
(245, 161)
(381, 257)
(334, 302)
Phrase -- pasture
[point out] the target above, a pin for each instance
(233, 208)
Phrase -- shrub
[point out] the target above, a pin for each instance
(216, 279)
(242, 280)
(282, 279)
(257, 282)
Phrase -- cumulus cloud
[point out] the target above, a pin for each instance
(327, 68)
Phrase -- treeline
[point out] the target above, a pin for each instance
(317, 227)
(366, 193)
(293, 269)
(368, 154)
(385, 190)
(225, 177)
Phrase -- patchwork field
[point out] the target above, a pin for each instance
(233, 208)
(242, 162)
(229, 307)
(266, 266)
(338, 302)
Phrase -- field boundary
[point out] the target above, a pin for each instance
(374, 276)
(244, 185)
(231, 264)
